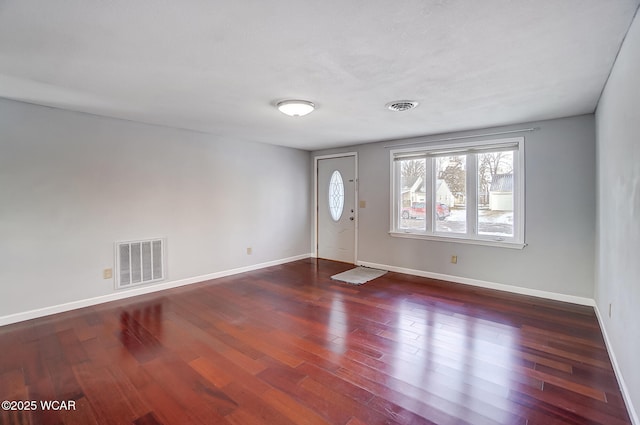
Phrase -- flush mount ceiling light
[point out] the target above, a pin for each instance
(296, 108)
(401, 105)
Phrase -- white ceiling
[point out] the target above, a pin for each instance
(220, 66)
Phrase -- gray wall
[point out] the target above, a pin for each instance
(560, 216)
(72, 184)
(618, 246)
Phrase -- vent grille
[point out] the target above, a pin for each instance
(401, 105)
(139, 262)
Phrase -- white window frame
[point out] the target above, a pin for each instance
(470, 149)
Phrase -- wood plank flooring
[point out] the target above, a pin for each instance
(287, 345)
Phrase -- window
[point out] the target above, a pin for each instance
(466, 192)
(336, 195)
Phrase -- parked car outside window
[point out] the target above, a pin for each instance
(417, 211)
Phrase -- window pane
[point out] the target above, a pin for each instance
(495, 193)
(450, 209)
(411, 214)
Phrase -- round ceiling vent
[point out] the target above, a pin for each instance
(401, 105)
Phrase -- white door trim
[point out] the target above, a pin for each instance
(315, 200)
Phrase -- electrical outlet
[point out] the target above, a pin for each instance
(107, 273)
(454, 259)
(249, 251)
(363, 204)
(609, 310)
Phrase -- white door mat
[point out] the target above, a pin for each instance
(359, 275)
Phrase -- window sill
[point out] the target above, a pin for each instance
(454, 239)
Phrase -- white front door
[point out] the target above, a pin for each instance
(336, 204)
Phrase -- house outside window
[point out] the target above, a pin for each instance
(470, 192)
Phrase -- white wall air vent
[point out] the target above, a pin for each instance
(139, 262)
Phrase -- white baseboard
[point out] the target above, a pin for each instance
(616, 368)
(120, 294)
(484, 284)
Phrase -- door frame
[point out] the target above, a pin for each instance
(315, 200)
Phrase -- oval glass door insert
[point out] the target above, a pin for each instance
(336, 195)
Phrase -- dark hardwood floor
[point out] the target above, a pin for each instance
(287, 345)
